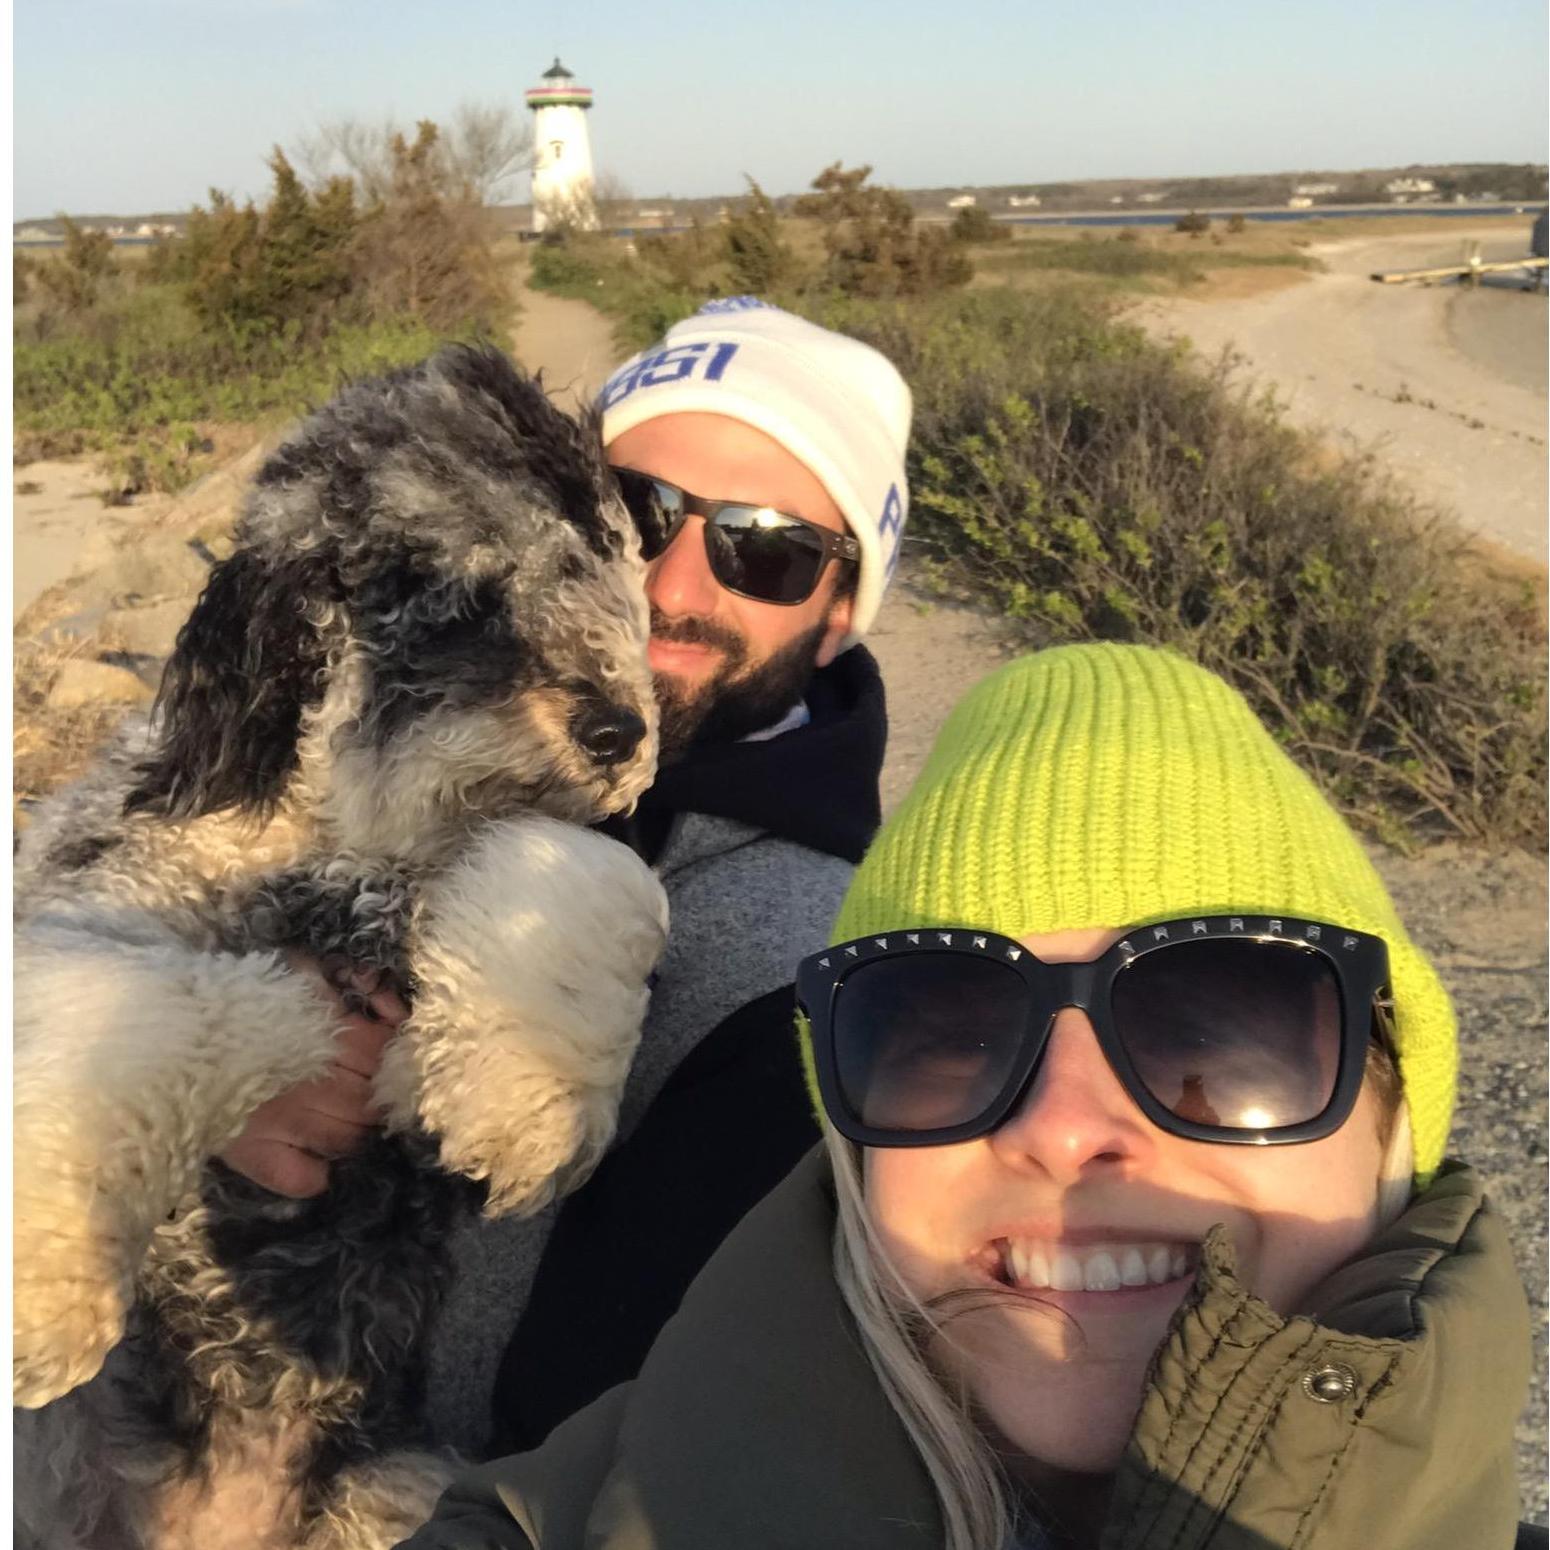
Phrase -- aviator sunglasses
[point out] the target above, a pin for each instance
(754, 551)
(1250, 1030)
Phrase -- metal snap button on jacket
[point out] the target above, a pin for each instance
(1329, 1385)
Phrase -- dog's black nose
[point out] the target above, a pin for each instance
(609, 733)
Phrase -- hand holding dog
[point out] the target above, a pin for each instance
(289, 1142)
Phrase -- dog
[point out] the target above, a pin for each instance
(421, 671)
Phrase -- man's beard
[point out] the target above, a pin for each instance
(732, 703)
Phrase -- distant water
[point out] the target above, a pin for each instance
(1316, 213)
(59, 242)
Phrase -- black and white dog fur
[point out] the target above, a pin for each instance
(420, 672)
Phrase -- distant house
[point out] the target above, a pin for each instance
(1315, 190)
(1400, 189)
(1299, 202)
(1023, 201)
(961, 201)
(1152, 198)
(1117, 199)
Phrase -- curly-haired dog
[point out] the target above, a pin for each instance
(427, 650)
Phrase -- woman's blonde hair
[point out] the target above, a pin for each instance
(977, 1501)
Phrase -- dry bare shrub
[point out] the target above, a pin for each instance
(50, 747)
(481, 153)
(425, 248)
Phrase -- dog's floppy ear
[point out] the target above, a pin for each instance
(247, 663)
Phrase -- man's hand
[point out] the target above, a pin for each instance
(289, 1141)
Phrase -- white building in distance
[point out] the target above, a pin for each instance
(562, 152)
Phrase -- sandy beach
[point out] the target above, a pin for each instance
(59, 523)
(1446, 383)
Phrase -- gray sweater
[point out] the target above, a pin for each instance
(745, 905)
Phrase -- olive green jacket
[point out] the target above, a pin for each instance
(1382, 1421)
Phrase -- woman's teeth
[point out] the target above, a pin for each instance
(1100, 1267)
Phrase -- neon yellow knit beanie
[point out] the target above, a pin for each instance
(1107, 785)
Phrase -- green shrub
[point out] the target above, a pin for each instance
(147, 364)
(419, 248)
(24, 269)
(1193, 224)
(1236, 224)
(975, 224)
(562, 267)
(685, 260)
(873, 245)
(75, 277)
(758, 262)
(1088, 483)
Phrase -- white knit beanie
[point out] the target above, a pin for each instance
(834, 403)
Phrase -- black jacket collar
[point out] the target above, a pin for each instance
(816, 785)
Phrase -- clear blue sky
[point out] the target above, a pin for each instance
(134, 105)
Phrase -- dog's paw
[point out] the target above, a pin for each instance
(531, 956)
(519, 1121)
(380, 1502)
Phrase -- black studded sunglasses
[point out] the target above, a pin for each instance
(1250, 1030)
(754, 551)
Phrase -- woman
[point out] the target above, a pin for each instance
(1130, 1226)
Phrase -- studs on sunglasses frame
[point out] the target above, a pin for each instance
(913, 939)
(1274, 928)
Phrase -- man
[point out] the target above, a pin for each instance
(764, 459)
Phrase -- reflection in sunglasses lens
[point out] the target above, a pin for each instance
(751, 550)
(929, 1041)
(776, 560)
(1239, 1033)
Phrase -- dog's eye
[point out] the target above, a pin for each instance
(443, 648)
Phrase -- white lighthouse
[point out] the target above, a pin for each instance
(562, 151)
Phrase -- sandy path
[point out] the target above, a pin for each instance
(569, 341)
(1447, 384)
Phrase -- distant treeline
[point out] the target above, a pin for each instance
(1505, 181)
